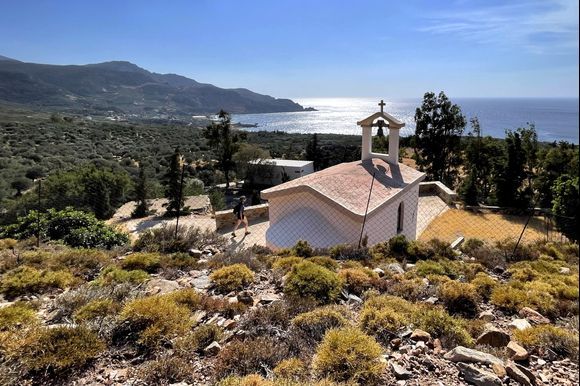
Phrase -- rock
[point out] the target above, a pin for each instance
(118, 375)
(534, 316)
(354, 298)
(420, 335)
(158, 286)
(195, 253)
(182, 383)
(527, 373)
(379, 272)
(201, 282)
(540, 362)
(464, 354)
(517, 352)
(478, 377)
(498, 269)
(395, 343)
(400, 372)
(432, 300)
(519, 324)
(487, 316)
(494, 337)
(213, 349)
(499, 370)
(198, 316)
(246, 298)
(517, 375)
(437, 346)
(269, 298)
(396, 268)
(565, 271)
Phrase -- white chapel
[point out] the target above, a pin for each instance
(376, 197)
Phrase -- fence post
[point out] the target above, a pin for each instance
(180, 198)
(522, 234)
(366, 211)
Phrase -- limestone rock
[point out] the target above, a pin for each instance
(201, 282)
(533, 315)
(400, 372)
(269, 298)
(477, 376)
(464, 354)
(396, 268)
(195, 253)
(565, 271)
(527, 373)
(499, 370)
(420, 335)
(517, 352)
(213, 349)
(487, 316)
(160, 286)
(519, 324)
(517, 375)
(379, 272)
(494, 337)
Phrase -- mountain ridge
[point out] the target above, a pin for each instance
(123, 87)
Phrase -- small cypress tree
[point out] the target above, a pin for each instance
(172, 181)
(141, 191)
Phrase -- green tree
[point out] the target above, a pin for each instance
(566, 205)
(19, 185)
(439, 126)
(313, 151)
(553, 161)
(468, 191)
(225, 142)
(172, 182)
(509, 180)
(251, 161)
(141, 193)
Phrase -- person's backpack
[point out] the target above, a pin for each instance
(237, 209)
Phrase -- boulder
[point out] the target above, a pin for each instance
(396, 268)
(354, 299)
(195, 253)
(517, 375)
(379, 272)
(245, 297)
(565, 271)
(487, 316)
(533, 316)
(420, 335)
(400, 372)
(527, 373)
(160, 286)
(478, 377)
(519, 324)
(464, 354)
(269, 298)
(201, 282)
(517, 352)
(499, 370)
(493, 337)
(213, 349)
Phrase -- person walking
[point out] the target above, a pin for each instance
(240, 216)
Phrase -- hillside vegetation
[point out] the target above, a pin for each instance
(193, 312)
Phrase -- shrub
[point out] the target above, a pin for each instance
(73, 227)
(511, 298)
(166, 370)
(178, 261)
(153, 320)
(248, 380)
(315, 323)
(97, 310)
(302, 249)
(291, 369)
(268, 320)
(441, 248)
(484, 285)
(416, 250)
(326, 262)
(17, 316)
(148, 262)
(232, 277)
(25, 280)
(430, 267)
(358, 280)
(544, 337)
(251, 356)
(308, 280)
(347, 355)
(459, 298)
(349, 252)
(84, 263)
(409, 289)
(441, 325)
(285, 264)
(163, 239)
(382, 323)
(114, 275)
(59, 348)
(398, 245)
(231, 257)
(199, 339)
(470, 245)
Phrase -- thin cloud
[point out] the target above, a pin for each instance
(541, 27)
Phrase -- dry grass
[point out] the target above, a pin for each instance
(485, 226)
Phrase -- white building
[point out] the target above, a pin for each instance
(329, 207)
(276, 171)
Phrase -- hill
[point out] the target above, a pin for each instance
(123, 88)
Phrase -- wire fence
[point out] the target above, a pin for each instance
(367, 213)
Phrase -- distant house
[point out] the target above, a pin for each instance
(276, 171)
(329, 207)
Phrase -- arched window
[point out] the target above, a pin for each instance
(400, 217)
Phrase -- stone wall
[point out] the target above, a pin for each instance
(437, 188)
(227, 218)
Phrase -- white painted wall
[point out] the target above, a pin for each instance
(277, 171)
(304, 216)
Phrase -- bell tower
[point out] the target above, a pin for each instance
(382, 120)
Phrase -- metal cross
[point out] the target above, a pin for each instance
(382, 104)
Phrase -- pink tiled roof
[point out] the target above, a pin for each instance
(348, 184)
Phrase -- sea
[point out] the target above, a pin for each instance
(555, 119)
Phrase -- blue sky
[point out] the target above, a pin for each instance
(315, 48)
